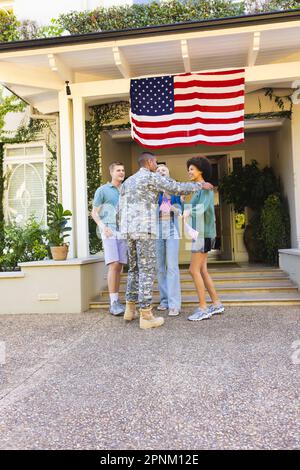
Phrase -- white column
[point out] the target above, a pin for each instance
(80, 178)
(296, 167)
(66, 165)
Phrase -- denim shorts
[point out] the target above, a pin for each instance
(203, 245)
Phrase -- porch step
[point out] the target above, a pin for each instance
(244, 285)
(229, 288)
(235, 272)
(219, 280)
(237, 301)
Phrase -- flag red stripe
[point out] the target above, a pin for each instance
(209, 83)
(190, 144)
(219, 100)
(208, 96)
(187, 133)
(208, 109)
(187, 121)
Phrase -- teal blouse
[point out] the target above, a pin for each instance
(203, 213)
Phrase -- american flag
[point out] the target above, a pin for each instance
(188, 109)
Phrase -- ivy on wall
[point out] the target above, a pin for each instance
(100, 117)
(2, 182)
(280, 100)
(51, 181)
(8, 104)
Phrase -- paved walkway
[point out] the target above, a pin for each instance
(90, 382)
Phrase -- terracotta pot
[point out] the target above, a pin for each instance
(59, 253)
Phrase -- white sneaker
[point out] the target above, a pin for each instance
(216, 309)
(162, 307)
(173, 312)
(200, 314)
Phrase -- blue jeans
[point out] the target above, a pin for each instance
(168, 272)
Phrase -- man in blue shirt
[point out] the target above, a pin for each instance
(105, 204)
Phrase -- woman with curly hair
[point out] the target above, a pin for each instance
(202, 212)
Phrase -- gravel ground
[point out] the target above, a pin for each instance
(91, 382)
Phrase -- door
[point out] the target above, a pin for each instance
(239, 220)
(226, 248)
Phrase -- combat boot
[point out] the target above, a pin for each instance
(130, 311)
(148, 320)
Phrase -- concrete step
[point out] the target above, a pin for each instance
(234, 273)
(236, 285)
(227, 289)
(251, 281)
(230, 300)
(230, 297)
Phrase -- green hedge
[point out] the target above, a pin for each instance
(275, 227)
(150, 14)
(135, 16)
(8, 27)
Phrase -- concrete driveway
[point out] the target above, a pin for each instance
(90, 382)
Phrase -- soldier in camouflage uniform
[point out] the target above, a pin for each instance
(137, 222)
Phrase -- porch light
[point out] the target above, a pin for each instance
(68, 90)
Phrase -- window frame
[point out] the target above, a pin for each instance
(8, 161)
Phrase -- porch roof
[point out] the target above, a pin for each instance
(267, 45)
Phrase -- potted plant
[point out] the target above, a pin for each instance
(58, 231)
(250, 186)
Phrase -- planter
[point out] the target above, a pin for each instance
(59, 253)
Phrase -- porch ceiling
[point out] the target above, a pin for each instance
(37, 73)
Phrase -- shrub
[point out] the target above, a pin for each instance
(269, 227)
(54, 29)
(28, 29)
(149, 14)
(275, 227)
(135, 16)
(8, 26)
(20, 244)
(248, 186)
(260, 6)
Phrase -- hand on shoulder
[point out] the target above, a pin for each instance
(207, 186)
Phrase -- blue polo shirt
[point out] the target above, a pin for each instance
(107, 196)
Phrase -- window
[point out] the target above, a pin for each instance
(237, 163)
(25, 169)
